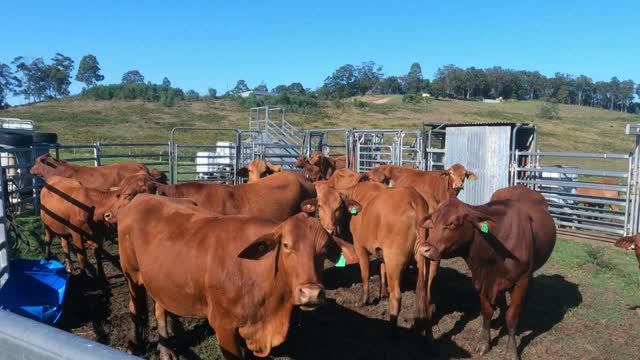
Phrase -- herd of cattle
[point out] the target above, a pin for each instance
(243, 256)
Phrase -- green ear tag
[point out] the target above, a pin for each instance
(485, 227)
(471, 180)
(390, 184)
(354, 210)
(342, 262)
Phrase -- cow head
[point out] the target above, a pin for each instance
(300, 246)
(630, 243)
(331, 206)
(451, 226)
(45, 166)
(158, 176)
(457, 174)
(120, 196)
(346, 178)
(381, 174)
(258, 169)
(300, 162)
(317, 158)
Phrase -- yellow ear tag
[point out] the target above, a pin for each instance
(342, 262)
(354, 210)
(485, 227)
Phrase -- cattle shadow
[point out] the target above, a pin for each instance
(336, 332)
(86, 302)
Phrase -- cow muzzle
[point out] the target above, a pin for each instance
(108, 217)
(430, 252)
(309, 297)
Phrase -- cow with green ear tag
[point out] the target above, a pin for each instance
(384, 222)
(503, 242)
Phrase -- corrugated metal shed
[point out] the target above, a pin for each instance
(483, 150)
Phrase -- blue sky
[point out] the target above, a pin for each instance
(202, 44)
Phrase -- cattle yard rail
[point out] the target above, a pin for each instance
(215, 154)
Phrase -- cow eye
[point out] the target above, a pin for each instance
(286, 246)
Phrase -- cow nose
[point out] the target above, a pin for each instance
(108, 217)
(430, 252)
(329, 230)
(310, 296)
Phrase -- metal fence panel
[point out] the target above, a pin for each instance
(22, 338)
(4, 242)
(485, 151)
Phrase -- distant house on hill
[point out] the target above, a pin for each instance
(255, 93)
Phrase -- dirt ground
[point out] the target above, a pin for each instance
(340, 330)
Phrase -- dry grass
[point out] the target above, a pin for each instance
(580, 129)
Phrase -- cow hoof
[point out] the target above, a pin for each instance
(483, 348)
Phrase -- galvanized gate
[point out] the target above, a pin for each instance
(373, 148)
(581, 197)
(209, 154)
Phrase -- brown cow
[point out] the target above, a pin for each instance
(68, 210)
(602, 193)
(244, 275)
(339, 162)
(440, 184)
(384, 223)
(275, 197)
(503, 242)
(257, 169)
(99, 177)
(313, 171)
(630, 243)
(346, 178)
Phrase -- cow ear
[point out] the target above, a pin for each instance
(274, 168)
(243, 172)
(309, 206)
(446, 173)
(353, 207)
(260, 247)
(483, 222)
(471, 176)
(339, 246)
(625, 242)
(426, 222)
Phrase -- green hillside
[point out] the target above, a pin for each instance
(82, 121)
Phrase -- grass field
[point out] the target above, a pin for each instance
(583, 305)
(82, 121)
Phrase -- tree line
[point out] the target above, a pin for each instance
(37, 80)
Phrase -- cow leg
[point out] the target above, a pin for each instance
(64, 242)
(163, 335)
(485, 335)
(48, 237)
(383, 281)
(229, 343)
(138, 311)
(363, 260)
(81, 253)
(433, 269)
(422, 321)
(97, 253)
(518, 296)
(394, 271)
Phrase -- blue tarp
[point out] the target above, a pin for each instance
(35, 289)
